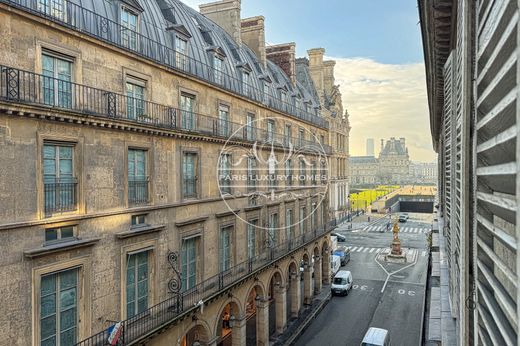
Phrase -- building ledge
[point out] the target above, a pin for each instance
(135, 231)
(64, 246)
(191, 221)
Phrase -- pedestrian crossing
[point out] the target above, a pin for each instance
(376, 250)
(379, 228)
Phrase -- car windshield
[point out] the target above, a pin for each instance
(339, 281)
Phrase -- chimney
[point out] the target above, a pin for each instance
(226, 13)
(316, 70)
(284, 55)
(253, 35)
(328, 76)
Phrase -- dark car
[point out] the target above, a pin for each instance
(344, 254)
(341, 238)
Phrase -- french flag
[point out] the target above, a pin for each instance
(114, 332)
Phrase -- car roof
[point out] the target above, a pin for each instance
(375, 336)
(342, 273)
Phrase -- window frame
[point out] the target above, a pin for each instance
(56, 81)
(147, 174)
(218, 69)
(59, 239)
(228, 185)
(196, 165)
(182, 60)
(126, 9)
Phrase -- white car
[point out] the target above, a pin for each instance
(342, 282)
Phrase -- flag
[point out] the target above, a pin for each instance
(114, 332)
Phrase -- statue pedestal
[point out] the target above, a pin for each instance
(396, 247)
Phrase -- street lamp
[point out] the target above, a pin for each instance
(231, 321)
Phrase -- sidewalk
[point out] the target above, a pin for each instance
(296, 326)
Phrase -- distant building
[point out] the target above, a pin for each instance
(370, 146)
(423, 172)
(363, 170)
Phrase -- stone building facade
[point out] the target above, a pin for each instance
(146, 182)
(423, 172)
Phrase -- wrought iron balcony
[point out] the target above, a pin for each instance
(79, 18)
(60, 195)
(20, 86)
(143, 325)
(138, 191)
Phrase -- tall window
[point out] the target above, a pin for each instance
(225, 248)
(54, 8)
(287, 134)
(289, 225)
(225, 173)
(217, 69)
(189, 262)
(313, 173)
(57, 87)
(137, 278)
(303, 173)
(266, 92)
(181, 52)
(314, 223)
(223, 120)
(273, 227)
(250, 135)
(251, 173)
(283, 98)
(128, 29)
(187, 108)
(271, 163)
(288, 172)
(245, 83)
(59, 308)
(251, 238)
(134, 100)
(270, 130)
(137, 179)
(58, 178)
(189, 175)
(301, 137)
(303, 221)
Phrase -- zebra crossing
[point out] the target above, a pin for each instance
(378, 228)
(376, 250)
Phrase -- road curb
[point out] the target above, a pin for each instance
(307, 321)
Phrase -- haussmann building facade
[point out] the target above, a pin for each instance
(164, 175)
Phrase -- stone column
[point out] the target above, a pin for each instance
(238, 334)
(317, 275)
(325, 266)
(262, 321)
(295, 294)
(280, 300)
(307, 284)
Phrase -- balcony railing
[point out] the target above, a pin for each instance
(138, 327)
(138, 191)
(60, 195)
(78, 18)
(26, 87)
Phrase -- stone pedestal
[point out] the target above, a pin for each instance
(396, 247)
(262, 322)
(307, 284)
(280, 301)
(295, 294)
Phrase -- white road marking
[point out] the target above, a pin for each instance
(359, 249)
(372, 250)
(354, 248)
(423, 253)
(366, 249)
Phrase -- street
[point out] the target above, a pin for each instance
(385, 295)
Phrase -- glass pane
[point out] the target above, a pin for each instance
(130, 309)
(65, 152)
(48, 327)
(48, 284)
(51, 234)
(49, 342)
(67, 232)
(68, 338)
(49, 167)
(48, 305)
(67, 298)
(48, 66)
(130, 293)
(68, 279)
(131, 164)
(142, 304)
(65, 168)
(67, 319)
(49, 151)
(142, 288)
(130, 275)
(142, 271)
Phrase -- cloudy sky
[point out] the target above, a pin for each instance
(380, 68)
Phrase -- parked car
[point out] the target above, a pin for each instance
(343, 253)
(403, 217)
(335, 264)
(342, 282)
(341, 238)
(376, 337)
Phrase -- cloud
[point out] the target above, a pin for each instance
(384, 101)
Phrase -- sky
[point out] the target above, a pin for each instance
(380, 66)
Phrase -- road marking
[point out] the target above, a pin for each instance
(353, 249)
(415, 230)
(423, 253)
(372, 250)
(359, 249)
(366, 249)
(392, 273)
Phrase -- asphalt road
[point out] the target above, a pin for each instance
(395, 306)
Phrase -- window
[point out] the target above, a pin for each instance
(322, 139)
(181, 53)
(303, 173)
(266, 92)
(250, 133)
(251, 238)
(283, 97)
(287, 134)
(128, 29)
(225, 248)
(245, 83)
(223, 120)
(138, 220)
(57, 78)
(189, 262)
(137, 179)
(225, 173)
(53, 235)
(54, 8)
(288, 172)
(272, 171)
(273, 227)
(313, 216)
(251, 173)
(135, 101)
(289, 225)
(217, 69)
(301, 137)
(313, 173)
(59, 183)
(270, 130)
(323, 178)
(303, 221)
(137, 277)
(189, 175)
(59, 308)
(187, 108)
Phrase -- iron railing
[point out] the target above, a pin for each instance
(138, 191)
(76, 17)
(144, 324)
(60, 195)
(189, 187)
(26, 87)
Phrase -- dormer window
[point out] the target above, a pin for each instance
(283, 96)
(54, 8)
(307, 107)
(217, 69)
(181, 51)
(266, 91)
(129, 28)
(245, 82)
